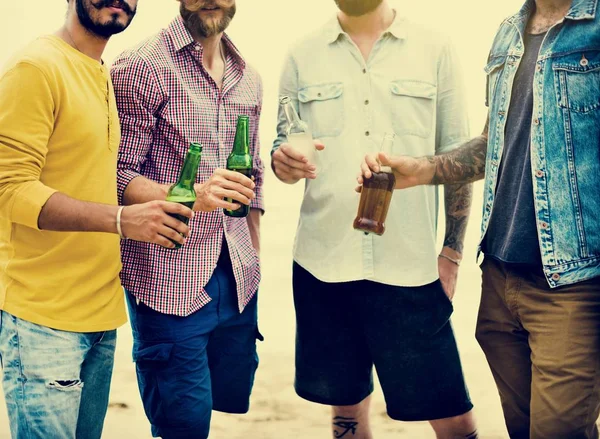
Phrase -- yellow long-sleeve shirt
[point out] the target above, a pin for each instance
(59, 131)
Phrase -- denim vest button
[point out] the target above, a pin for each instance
(556, 276)
(544, 225)
(538, 67)
(536, 121)
(584, 62)
(539, 173)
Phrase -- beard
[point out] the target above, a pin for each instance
(85, 11)
(206, 28)
(356, 8)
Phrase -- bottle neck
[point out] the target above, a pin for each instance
(187, 177)
(290, 114)
(386, 147)
(241, 144)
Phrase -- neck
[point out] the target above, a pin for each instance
(373, 23)
(211, 49)
(80, 38)
(552, 7)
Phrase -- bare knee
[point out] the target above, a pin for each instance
(357, 410)
(462, 426)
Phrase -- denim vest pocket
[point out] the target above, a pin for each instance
(413, 107)
(493, 71)
(577, 81)
(577, 87)
(322, 107)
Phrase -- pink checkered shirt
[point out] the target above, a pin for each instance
(166, 99)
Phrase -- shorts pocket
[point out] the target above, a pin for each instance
(413, 107)
(153, 379)
(322, 107)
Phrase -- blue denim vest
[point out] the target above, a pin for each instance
(565, 136)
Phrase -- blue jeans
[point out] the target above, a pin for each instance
(56, 383)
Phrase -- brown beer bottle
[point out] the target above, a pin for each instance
(376, 196)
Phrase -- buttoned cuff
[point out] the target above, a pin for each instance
(124, 177)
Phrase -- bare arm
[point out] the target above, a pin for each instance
(254, 226)
(458, 198)
(463, 165)
(142, 190)
(62, 213)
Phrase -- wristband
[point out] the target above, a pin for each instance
(119, 230)
(454, 261)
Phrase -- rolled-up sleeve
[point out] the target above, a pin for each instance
(452, 128)
(259, 169)
(288, 86)
(138, 97)
(26, 125)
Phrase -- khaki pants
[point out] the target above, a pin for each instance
(543, 347)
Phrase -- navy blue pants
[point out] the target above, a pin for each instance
(189, 366)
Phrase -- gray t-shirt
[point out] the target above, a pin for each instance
(512, 233)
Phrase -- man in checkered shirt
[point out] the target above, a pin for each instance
(193, 310)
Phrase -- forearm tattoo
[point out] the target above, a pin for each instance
(463, 165)
(458, 199)
(344, 426)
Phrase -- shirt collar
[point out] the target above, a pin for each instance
(333, 29)
(580, 10)
(179, 34)
(182, 38)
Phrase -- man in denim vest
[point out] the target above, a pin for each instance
(540, 153)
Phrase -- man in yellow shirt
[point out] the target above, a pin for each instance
(60, 294)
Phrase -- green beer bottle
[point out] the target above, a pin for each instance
(240, 161)
(183, 191)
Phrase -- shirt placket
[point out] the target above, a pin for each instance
(365, 99)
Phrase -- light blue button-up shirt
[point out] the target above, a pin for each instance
(411, 86)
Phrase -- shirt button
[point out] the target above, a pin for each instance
(539, 173)
(367, 133)
(197, 48)
(319, 94)
(367, 102)
(555, 276)
(364, 70)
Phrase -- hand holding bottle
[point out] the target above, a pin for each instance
(290, 165)
(409, 171)
(154, 222)
(211, 194)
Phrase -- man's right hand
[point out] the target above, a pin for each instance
(151, 222)
(409, 171)
(224, 184)
(290, 166)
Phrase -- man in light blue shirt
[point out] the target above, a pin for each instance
(363, 300)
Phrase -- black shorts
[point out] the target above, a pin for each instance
(343, 329)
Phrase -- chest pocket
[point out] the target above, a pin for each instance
(413, 107)
(322, 107)
(577, 81)
(493, 70)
